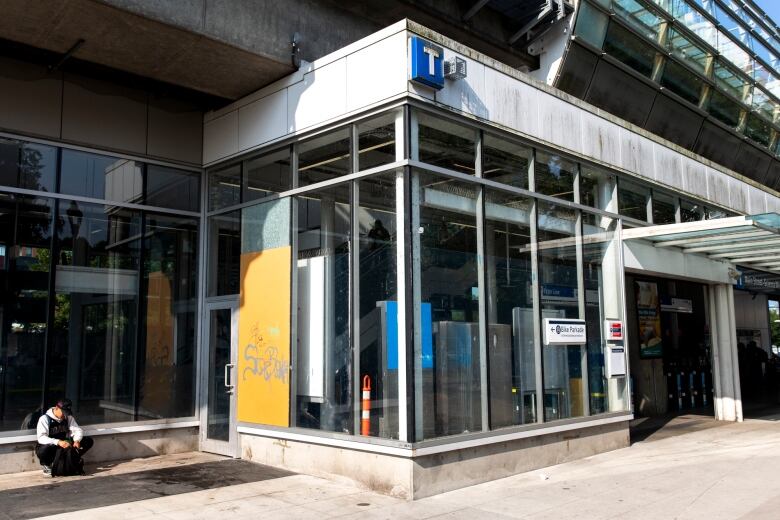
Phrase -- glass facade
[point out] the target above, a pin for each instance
(98, 300)
(721, 57)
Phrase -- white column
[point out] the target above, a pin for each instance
(728, 399)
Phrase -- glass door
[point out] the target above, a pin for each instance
(218, 420)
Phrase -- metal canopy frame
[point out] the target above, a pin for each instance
(751, 241)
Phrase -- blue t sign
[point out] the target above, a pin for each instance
(427, 63)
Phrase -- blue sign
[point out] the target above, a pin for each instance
(427, 63)
(390, 308)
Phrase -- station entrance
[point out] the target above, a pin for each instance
(669, 347)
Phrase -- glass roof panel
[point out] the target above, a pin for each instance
(771, 220)
(683, 48)
(639, 16)
(729, 80)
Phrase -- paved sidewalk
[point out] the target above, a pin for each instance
(728, 471)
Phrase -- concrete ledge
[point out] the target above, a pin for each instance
(18, 457)
(426, 475)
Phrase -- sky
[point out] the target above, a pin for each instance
(770, 7)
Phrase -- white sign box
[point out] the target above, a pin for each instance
(559, 331)
(616, 361)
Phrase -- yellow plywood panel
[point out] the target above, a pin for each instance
(264, 338)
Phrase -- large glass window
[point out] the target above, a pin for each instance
(554, 176)
(664, 208)
(25, 256)
(93, 357)
(448, 381)
(224, 254)
(597, 188)
(326, 383)
(629, 49)
(378, 301)
(324, 158)
(510, 313)
(27, 165)
(565, 366)
(171, 188)
(505, 161)
(445, 143)
(224, 187)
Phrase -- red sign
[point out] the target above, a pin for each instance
(613, 330)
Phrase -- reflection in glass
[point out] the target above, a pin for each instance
(27, 165)
(564, 365)
(100, 177)
(509, 286)
(664, 208)
(376, 141)
(505, 161)
(596, 188)
(681, 81)
(269, 173)
(171, 188)
(691, 211)
(170, 274)
(445, 143)
(378, 300)
(25, 239)
(554, 176)
(324, 395)
(323, 158)
(449, 357)
(93, 355)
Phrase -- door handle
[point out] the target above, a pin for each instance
(229, 386)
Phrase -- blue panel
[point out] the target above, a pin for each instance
(391, 319)
(427, 63)
(427, 335)
(391, 335)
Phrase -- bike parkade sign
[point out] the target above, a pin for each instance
(558, 331)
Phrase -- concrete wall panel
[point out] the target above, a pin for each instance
(29, 98)
(376, 72)
(756, 200)
(668, 167)
(738, 195)
(718, 187)
(262, 120)
(600, 139)
(104, 114)
(560, 122)
(322, 95)
(636, 154)
(694, 176)
(467, 94)
(220, 137)
(510, 103)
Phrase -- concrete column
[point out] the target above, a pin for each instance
(728, 399)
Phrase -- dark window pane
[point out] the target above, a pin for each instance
(629, 49)
(591, 25)
(101, 177)
(224, 187)
(446, 144)
(724, 109)
(554, 176)
(681, 81)
(691, 211)
(505, 161)
(324, 158)
(93, 356)
(267, 174)
(376, 141)
(632, 200)
(224, 254)
(27, 165)
(171, 188)
(758, 129)
(25, 238)
(664, 210)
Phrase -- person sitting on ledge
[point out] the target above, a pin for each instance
(58, 430)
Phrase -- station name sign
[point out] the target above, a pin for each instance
(558, 331)
(427, 63)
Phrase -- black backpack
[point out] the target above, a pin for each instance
(67, 462)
